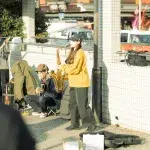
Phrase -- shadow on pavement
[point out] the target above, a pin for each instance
(39, 129)
(60, 144)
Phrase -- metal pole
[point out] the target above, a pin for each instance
(38, 3)
(97, 67)
(140, 3)
(28, 17)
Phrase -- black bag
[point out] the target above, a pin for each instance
(112, 140)
(133, 58)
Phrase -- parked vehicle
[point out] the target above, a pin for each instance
(125, 36)
(86, 34)
(135, 40)
(61, 38)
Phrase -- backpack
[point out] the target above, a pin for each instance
(112, 140)
(133, 58)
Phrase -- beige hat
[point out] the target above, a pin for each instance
(42, 67)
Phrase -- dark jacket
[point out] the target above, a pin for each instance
(49, 88)
(14, 133)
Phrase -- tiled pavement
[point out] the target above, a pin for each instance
(50, 133)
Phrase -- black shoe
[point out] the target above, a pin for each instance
(72, 127)
(91, 128)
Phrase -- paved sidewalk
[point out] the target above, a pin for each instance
(50, 133)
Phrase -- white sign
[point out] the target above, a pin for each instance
(93, 142)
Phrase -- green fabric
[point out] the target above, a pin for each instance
(23, 77)
(4, 53)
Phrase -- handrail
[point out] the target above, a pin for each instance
(49, 45)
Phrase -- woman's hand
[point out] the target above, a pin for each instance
(58, 57)
(38, 90)
(58, 67)
(57, 50)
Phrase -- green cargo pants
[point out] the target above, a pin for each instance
(79, 107)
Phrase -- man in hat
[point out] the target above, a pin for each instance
(45, 94)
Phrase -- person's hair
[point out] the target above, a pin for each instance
(70, 58)
(43, 70)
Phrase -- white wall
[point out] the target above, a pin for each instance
(126, 96)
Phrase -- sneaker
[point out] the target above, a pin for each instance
(28, 106)
(91, 128)
(43, 115)
(36, 113)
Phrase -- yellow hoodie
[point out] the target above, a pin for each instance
(77, 72)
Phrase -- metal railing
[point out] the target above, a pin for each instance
(87, 45)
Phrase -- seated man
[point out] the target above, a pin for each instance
(45, 94)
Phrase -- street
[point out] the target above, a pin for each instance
(50, 133)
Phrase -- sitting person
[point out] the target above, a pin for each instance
(45, 94)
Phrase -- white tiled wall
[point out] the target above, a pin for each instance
(126, 95)
(28, 16)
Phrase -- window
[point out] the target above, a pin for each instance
(86, 35)
(124, 37)
(73, 33)
(141, 39)
(83, 35)
(89, 36)
(64, 33)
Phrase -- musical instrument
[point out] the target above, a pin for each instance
(8, 94)
(58, 76)
(6, 101)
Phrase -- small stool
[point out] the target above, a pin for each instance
(52, 109)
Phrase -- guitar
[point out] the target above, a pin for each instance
(6, 100)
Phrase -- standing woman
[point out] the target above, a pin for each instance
(79, 82)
